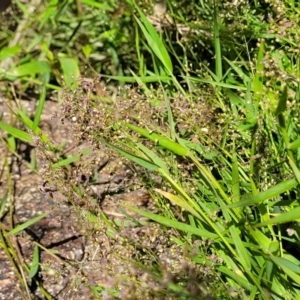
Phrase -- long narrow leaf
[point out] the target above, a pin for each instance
(269, 194)
(160, 140)
(28, 223)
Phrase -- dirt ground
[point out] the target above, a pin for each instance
(54, 232)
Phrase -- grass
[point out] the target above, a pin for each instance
(209, 125)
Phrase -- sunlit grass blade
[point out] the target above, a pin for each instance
(139, 160)
(281, 107)
(70, 70)
(266, 195)
(49, 12)
(30, 69)
(103, 6)
(144, 79)
(28, 223)
(17, 133)
(285, 217)
(294, 145)
(34, 267)
(235, 179)
(215, 83)
(241, 281)
(175, 224)
(39, 110)
(159, 140)
(180, 202)
(154, 157)
(29, 124)
(289, 268)
(238, 70)
(295, 169)
(241, 250)
(155, 41)
(3, 202)
(71, 159)
(218, 52)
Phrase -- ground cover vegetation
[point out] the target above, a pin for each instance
(200, 101)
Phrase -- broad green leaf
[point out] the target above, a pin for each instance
(262, 240)
(31, 69)
(70, 70)
(7, 52)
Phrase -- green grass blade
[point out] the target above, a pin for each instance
(241, 250)
(29, 123)
(154, 157)
(39, 110)
(154, 41)
(139, 160)
(3, 202)
(30, 69)
(35, 262)
(180, 202)
(295, 169)
(218, 52)
(70, 70)
(17, 133)
(289, 216)
(266, 195)
(159, 140)
(71, 159)
(144, 79)
(288, 268)
(215, 83)
(28, 223)
(240, 280)
(235, 179)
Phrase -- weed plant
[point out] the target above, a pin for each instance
(201, 104)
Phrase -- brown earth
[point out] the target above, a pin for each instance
(61, 231)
